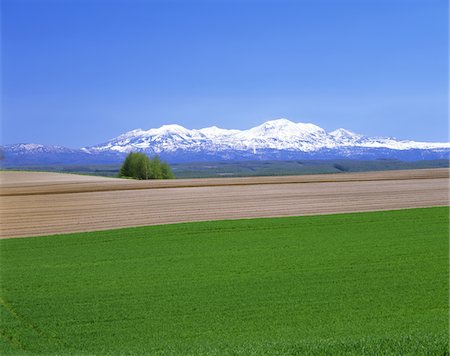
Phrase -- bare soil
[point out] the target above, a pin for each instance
(38, 203)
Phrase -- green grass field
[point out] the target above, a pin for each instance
(365, 283)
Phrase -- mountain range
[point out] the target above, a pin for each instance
(276, 139)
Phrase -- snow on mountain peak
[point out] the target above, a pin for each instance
(279, 134)
(132, 133)
(36, 147)
(285, 124)
(343, 133)
(281, 122)
(172, 128)
(285, 128)
(346, 137)
(30, 146)
(215, 131)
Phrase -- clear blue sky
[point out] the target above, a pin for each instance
(78, 72)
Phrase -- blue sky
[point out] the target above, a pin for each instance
(78, 72)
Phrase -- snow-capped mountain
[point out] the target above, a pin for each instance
(275, 139)
(280, 134)
(22, 148)
(31, 154)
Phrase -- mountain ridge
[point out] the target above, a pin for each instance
(278, 134)
(273, 139)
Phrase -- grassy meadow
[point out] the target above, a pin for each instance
(362, 283)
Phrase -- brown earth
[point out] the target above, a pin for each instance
(36, 203)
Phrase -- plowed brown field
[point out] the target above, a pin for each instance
(33, 203)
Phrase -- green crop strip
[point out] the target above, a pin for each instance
(364, 283)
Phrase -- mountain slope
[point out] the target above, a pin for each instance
(280, 134)
(275, 139)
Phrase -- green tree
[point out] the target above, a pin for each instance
(155, 168)
(125, 170)
(166, 171)
(139, 166)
